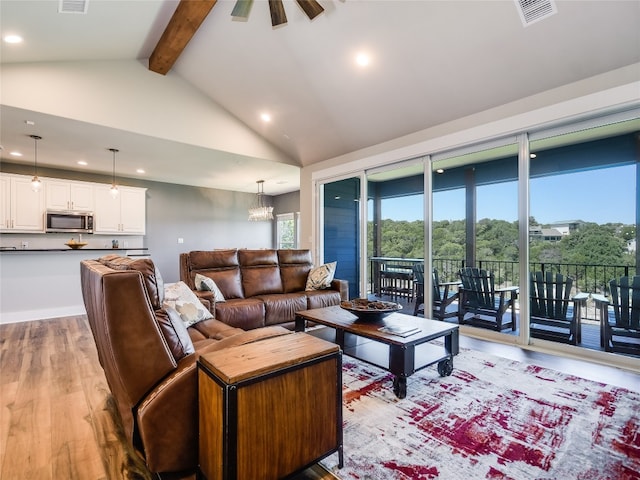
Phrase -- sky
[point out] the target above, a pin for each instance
(600, 196)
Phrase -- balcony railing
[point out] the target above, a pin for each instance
(587, 278)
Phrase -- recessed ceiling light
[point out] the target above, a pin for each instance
(265, 117)
(363, 59)
(440, 170)
(140, 170)
(13, 39)
(83, 163)
(532, 155)
(15, 154)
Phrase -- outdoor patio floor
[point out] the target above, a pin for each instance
(590, 328)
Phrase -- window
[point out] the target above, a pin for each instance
(288, 230)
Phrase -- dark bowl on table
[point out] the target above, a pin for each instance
(370, 310)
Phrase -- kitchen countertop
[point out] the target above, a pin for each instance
(33, 250)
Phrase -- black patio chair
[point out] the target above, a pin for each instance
(444, 294)
(555, 314)
(486, 304)
(620, 316)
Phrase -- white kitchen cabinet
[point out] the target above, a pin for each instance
(21, 209)
(125, 214)
(68, 195)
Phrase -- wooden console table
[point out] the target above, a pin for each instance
(269, 409)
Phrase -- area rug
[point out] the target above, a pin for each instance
(493, 418)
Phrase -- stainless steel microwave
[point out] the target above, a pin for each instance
(69, 221)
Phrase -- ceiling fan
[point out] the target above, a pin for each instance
(278, 16)
(188, 16)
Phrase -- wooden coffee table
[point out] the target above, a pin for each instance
(400, 355)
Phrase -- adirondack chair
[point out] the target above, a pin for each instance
(620, 316)
(486, 304)
(444, 294)
(555, 315)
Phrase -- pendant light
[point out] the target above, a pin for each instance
(35, 181)
(114, 186)
(260, 210)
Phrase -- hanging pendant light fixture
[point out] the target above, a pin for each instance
(35, 181)
(114, 186)
(260, 211)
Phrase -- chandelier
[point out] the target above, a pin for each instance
(259, 211)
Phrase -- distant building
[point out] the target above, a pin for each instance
(536, 232)
(631, 245)
(566, 227)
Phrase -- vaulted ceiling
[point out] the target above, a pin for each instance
(430, 62)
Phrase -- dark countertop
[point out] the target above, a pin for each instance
(32, 250)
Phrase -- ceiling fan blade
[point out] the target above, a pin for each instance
(278, 17)
(242, 8)
(311, 8)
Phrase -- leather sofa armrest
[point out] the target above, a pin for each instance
(167, 420)
(207, 299)
(341, 286)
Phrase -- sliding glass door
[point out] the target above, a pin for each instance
(561, 203)
(583, 224)
(475, 226)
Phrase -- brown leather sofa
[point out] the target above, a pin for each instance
(149, 357)
(260, 287)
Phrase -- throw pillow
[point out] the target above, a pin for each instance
(205, 283)
(180, 297)
(321, 277)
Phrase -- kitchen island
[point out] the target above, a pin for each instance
(44, 283)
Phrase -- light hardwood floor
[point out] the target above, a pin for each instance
(58, 420)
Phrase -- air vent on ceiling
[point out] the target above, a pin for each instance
(73, 6)
(532, 11)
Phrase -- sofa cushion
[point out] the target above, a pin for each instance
(245, 313)
(180, 297)
(261, 280)
(321, 277)
(151, 275)
(322, 298)
(204, 283)
(216, 329)
(174, 332)
(228, 281)
(221, 266)
(282, 308)
(213, 259)
(260, 272)
(294, 269)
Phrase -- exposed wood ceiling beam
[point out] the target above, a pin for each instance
(181, 28)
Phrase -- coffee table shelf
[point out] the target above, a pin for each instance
(402, 356)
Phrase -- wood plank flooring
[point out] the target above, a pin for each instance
(58, 419)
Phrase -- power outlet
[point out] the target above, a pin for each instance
(180, 240)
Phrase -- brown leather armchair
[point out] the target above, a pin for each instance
(149, 357)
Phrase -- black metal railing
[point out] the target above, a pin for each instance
(586, 278)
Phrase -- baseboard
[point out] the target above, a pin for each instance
(44, 314)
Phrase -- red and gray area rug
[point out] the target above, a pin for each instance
(493, 418)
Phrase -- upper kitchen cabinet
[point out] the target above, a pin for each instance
(68, 195)
(125, 214)
(21, 208)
